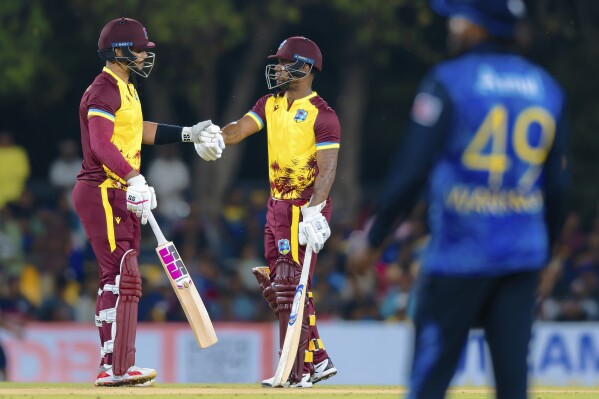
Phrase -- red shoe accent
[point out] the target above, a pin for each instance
(134, 373)
(103, 374)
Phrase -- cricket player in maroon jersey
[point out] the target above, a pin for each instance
(111, 197)
(303, 144)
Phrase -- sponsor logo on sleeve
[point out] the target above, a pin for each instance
(426, 109)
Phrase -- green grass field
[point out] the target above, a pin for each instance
(11, 390)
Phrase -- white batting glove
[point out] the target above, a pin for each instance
(192, 134)
(211, 143)
(314, 228)
(141, 198)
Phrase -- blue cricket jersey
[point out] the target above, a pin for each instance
(487, 135)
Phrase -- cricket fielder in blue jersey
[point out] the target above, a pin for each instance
(487, 140)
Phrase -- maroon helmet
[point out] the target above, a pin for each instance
(126, 34)
(297, 49)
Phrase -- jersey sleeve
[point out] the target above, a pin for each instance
(258, 111)
(327, 130)
(424, 138)
(103, 103)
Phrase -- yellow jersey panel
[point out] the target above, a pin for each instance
(294, 133)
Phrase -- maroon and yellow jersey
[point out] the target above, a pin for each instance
(294, 134)
(111, 131)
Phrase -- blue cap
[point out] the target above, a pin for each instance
(498, 17)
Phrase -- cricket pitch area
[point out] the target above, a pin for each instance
(10, 390)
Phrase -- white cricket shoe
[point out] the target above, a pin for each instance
(135, 376)
(304, 383)
(323, 371)
(267, 383)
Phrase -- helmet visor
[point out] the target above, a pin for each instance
(137, 63)
(285, 74)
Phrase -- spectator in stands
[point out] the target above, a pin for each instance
(85, 306)
(240, 302)
(17, 330)
(64, 169)
(171, 179)
(14, 169)
(15, 311)
(14, 304)
(233, 223)
(57, 306)
(12, 256)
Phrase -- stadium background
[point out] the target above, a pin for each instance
(210, 64)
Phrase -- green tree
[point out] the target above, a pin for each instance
(372, 31)
(24, 30)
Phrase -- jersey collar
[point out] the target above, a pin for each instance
(303, 99)
(114, 75)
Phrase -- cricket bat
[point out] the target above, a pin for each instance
(186, 291)
(294, 327)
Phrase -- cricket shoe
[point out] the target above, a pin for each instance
(323, 371)
(267, 383)
(304, 383)
(135, 376)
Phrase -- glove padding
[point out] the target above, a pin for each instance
(193, 134)
(141, 198)
(314, 229)
(211, 143)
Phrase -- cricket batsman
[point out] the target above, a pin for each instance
(111, 197)
(303, 144)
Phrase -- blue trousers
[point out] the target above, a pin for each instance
(445, 310)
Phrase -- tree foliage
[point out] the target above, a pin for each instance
(211, 53)
(24, 30)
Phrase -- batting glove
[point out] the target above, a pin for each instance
(192, 134)
(211, 143)
(141, 198)
(314, 229)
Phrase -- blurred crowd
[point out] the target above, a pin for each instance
(48, 271)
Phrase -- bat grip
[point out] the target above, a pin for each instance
(156, 229)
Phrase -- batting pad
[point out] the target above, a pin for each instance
(123, 355)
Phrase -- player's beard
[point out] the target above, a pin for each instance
(285, 86)
(284, 80)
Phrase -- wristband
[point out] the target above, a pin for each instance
(168, 134)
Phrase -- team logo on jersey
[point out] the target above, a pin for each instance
(301, 115)
(276, 107)
(118, 220)
(284, 247)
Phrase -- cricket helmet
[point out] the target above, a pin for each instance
(299, 50)
(498, 17)
(126, 34)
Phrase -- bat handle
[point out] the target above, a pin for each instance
(156, 229)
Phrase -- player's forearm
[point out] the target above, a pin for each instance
(160, 133)
(149, 132)
(232, 133)
(327, 168)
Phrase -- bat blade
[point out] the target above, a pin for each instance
(294, 326)
(188, 295)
